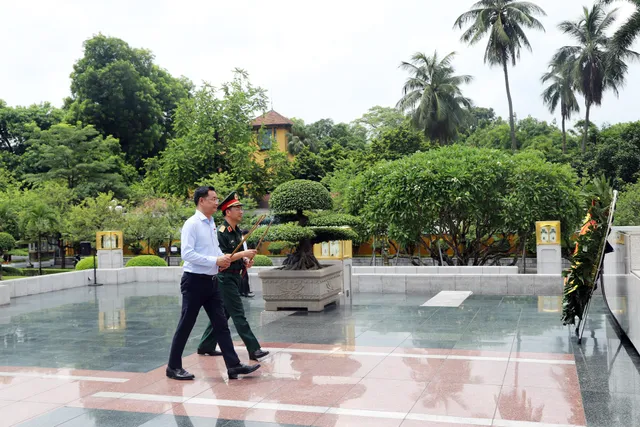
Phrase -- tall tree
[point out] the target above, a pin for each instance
(84, 159)
(560, 92)
(120, 91)
(595, 68)
(433, 96)
(629, 31)
(17, 123)
(39, 221)
(504, 21)
(212, 136)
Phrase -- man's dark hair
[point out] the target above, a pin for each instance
(201, 192)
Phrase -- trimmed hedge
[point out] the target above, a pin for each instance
(11, 271)
(30, 272)
(146, 261)
(85, 263)
(262, 261)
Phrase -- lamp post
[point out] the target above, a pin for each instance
(95, 274)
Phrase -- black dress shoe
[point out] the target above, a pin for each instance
(179, 374)
(241, 369)
(209, 353)
(258, 354)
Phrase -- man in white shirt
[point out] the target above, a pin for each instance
(199, 287)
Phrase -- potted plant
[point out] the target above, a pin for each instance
(302, 282)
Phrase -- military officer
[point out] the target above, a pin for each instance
(229, 279)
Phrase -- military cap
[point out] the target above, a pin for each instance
(230, 201)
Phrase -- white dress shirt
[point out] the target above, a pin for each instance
(199, 246)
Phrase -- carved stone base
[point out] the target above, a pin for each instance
(312, 289)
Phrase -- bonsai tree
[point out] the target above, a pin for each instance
(298, 206)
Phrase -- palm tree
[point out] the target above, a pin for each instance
(629, 31)
(595, 68)
(40, 221)
(433, 97)
(503, 21)
(560, 92)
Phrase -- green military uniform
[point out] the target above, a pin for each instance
(229, 284)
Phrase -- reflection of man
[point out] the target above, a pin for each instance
(199, 287)
(230, 236)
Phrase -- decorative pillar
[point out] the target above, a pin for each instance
(548, 247)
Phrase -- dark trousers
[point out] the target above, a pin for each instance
(244, 284)
(198, 291)
(229, 283)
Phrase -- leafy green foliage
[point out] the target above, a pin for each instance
(262, 261)
(595, 67)
(99, 213)
(275, 248)
(120, 91)
(467, 195)
(299, 195)
(85, 263)
(86, 161)
(395, 143)
(18, 252)
(146, 261)
(628, 206)
(11, 271)
(290, 232)
(212, 136)
(17, 123)
(7, 242)
(331, 219)
(433, 96)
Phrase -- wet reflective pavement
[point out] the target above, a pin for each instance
(96, 357)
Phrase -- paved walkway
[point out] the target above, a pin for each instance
(96, 357)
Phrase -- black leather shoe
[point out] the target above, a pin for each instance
(179, 374)
(209, 353)
(241, 369)
(258, 354)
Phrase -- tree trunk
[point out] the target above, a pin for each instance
(302, 258)
(39, 261)
(564, 137)
(514, 145)
(586, 128)
(63, 253)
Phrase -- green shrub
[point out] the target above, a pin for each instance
(146, 261)
(18, 252)
(85, 263)
(12, 271)
(7, 242)
(275, 248)
(262, 261)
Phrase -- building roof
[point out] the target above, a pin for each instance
(271, 118)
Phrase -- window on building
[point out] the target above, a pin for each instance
(266, 138)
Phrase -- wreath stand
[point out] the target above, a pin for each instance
(599, 273)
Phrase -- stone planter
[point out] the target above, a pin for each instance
(310, 289)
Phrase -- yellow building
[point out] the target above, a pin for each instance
(272, 128)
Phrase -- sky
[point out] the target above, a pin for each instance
(317, 59)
